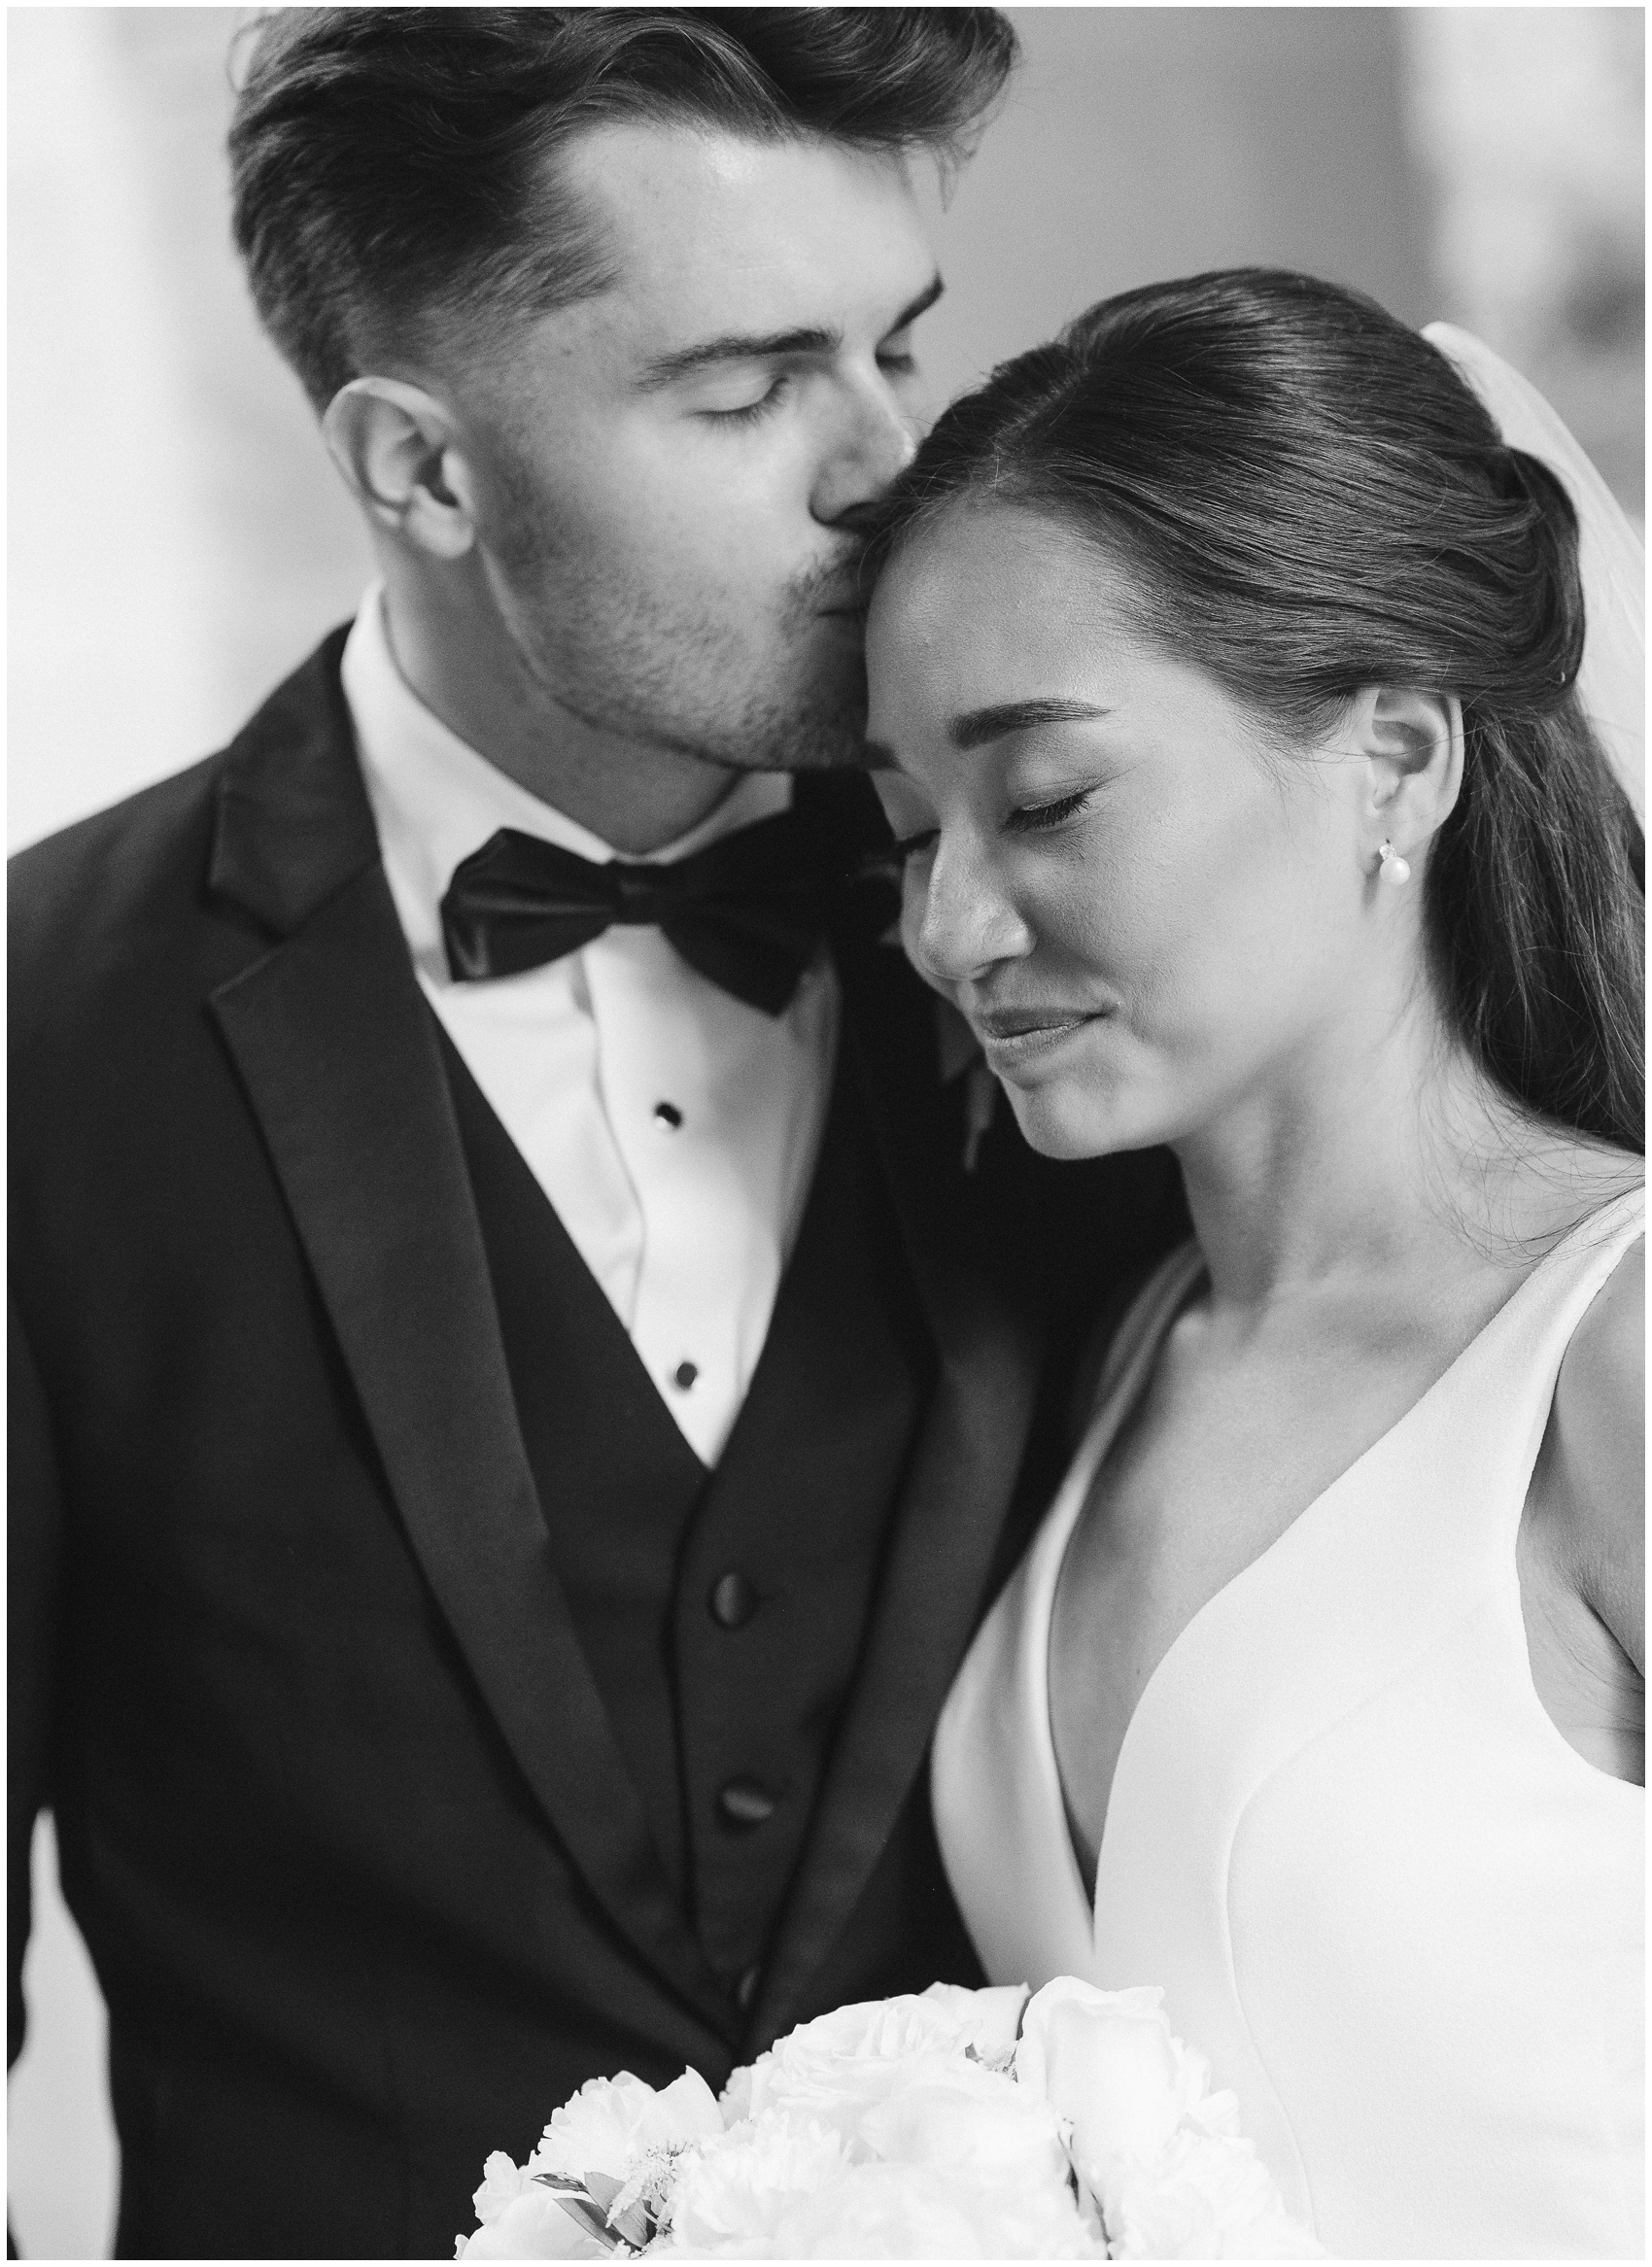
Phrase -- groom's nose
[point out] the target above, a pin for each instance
(957, 923)
(871, 442)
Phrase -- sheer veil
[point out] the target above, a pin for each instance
(1611, 683)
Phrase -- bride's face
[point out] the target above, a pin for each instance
(1146, 912)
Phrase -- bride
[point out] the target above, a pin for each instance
(1227, 660)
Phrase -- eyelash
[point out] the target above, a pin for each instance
(1036, 820)
(1048, 814)
(902, 365)
(754, 410)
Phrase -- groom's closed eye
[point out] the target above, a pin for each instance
(762, 397)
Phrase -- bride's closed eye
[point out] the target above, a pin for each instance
(1026, 819)
(1034, 819)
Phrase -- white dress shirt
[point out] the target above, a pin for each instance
(673, 1128)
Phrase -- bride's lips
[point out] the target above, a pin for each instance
(1015, 1039)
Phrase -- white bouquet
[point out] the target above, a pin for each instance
(949, 2124)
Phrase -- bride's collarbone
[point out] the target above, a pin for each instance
(1243, 1423)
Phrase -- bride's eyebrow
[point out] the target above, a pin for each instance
(977, 725)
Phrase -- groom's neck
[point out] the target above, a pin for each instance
(459, 655)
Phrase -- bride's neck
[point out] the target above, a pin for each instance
(1367, 1155)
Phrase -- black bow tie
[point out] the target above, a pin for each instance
(747, 912)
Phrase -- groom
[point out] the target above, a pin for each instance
(523, 1359)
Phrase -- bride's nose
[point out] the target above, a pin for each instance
(959, 923)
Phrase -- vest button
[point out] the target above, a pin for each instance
(746, 1991)
(745, 1802)
(734, 1601)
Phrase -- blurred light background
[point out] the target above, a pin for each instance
(178, 540)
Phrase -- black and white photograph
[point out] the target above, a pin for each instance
(826, 1118)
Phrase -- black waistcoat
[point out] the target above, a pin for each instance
(724, 1695)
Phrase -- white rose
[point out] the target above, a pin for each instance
(534, 2225)
(916, 2212)
(836, 2067)
(687, 2110)
(735, 2100)
(1037, 2223)
(502, 2179)
(880, 2212)
(990, 2016)
(1107, 2064)
(879, 2028)
(735, 2188)
(611, 2124)
(961, 2117)
(1203, 2196)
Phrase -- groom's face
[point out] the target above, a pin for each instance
(672, 473)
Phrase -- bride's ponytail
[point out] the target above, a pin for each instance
(1308, 497)
(1542, 622)
(1528, 881)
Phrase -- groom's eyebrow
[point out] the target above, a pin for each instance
(752, 346)
(977, 725)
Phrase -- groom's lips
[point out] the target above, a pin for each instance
(1017, 1038)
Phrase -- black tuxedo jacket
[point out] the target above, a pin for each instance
(340, 1811)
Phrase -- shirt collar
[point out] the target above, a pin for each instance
(434, 799)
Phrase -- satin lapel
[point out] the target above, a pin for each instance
(335, 1043)
(987, 1333)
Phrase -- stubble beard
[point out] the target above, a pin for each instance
(787, 695)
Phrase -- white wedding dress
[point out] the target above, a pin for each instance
(1400, 1915)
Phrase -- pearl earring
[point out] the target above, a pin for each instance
(1392, 866)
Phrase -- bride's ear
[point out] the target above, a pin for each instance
(1411, 741)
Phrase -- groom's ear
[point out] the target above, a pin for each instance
(399, 451)
(1411, 741)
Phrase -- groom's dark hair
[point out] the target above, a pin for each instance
(394, 168)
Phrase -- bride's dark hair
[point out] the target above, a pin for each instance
(1306, 498)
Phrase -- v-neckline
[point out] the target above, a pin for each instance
(1172, 1296)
